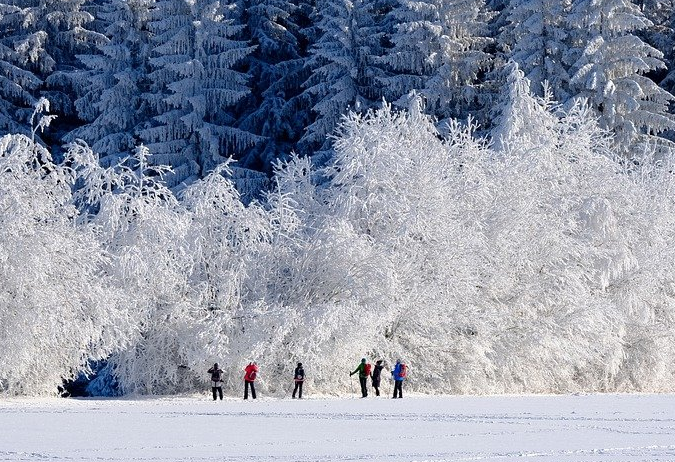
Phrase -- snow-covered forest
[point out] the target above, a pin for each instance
(484, 189)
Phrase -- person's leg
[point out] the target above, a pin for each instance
(395, 388)
(295, 389)
(220, 393)
(213, 389)
(300, 390)
(364, 386)
(377, 390)
(253, 390)
(400, 388)
(245, 389)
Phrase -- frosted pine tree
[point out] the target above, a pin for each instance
(439, 49)
(608, 66)
(193, 82)
(535, 36)
(18, 84)
(38, 43)
(277, 70)
(54, 32)
(661, 36)
(520, 115)
(660, 33)
(111, 95)
(344, 73)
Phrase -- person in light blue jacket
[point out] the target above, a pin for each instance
(399, 373)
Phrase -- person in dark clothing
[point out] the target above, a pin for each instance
(299, 377)
(364, 371)
(216, 381)
(250, 373)
(377, 375)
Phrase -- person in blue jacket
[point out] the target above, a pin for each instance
(399, 374)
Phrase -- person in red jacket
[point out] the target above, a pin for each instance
(250, 373)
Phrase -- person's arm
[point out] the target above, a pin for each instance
(358, 368)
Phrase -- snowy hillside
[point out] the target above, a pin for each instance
(619, 428)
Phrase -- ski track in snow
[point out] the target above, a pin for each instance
(583, 428)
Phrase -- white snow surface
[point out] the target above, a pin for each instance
(421, 428)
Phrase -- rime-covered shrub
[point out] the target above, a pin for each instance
(57, 308)
(540, 265)
(532, 262)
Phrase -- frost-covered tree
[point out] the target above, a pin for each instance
(52, 33)
(343, 63)
(111, 103)
(608, 66)
(194, 80)
(519, 116)
(536, 262)
(439, 50)
(661, 35)
(277, 70)
(58, 310)
(535, 37)
(146, 235)
(18, 84)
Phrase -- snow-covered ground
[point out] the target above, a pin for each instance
(505, 428)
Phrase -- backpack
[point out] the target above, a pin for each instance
(251, 374)
(366, 370)
(403, 372)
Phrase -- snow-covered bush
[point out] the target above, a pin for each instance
(57, 309)
(540, 265)
(533, 262)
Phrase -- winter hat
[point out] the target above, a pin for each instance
(363, 360)
(379, 361)
(299, 364)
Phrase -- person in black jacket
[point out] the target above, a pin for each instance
(377, 375)
(216, 381)
(299, 377)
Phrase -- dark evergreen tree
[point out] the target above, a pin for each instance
(609, 66)
(277, 70)
(39, 42)
(194, 80)
(345, 70)
(440, 51)
(111, 89)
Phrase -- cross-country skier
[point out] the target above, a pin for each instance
(299, 377)
(250, 373)
(216, 381)
(364, 372)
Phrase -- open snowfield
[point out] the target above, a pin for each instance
(530, 428)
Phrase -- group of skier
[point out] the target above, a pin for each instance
(250, 374)
(364, 369)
